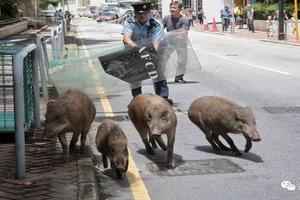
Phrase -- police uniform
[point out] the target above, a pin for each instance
(141, 34)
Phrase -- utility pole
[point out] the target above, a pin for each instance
(281, 20)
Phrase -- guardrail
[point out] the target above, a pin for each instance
(19, 85)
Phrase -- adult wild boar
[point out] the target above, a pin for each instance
(153, 116)
(218, 116)
(73, 111)
(111, 142)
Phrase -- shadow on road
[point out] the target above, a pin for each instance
(160, 158)
(247, 156)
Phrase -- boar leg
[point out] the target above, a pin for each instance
(219, 143)
(83, 139)
(74, 140)
(152, 141)
(171, 140)
(63, 140)
(210, 139)
(161, 143)
(104, 161)
(232, 146)
(248, 143)
(144, 135)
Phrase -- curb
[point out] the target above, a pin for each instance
(87, 184)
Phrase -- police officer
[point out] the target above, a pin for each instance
(138, 31)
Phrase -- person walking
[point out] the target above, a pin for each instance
(200, 15)
(250, 15)
(269, 26)
(177, 27)
(137, 31)
(225, 16)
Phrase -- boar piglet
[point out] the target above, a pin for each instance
(111, 142)
(218, 116)
(73, 111)
(153, 116)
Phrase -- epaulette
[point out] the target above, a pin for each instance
(153, 22)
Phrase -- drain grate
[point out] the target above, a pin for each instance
(283, 110)
(196, 167)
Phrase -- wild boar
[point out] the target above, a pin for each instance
(153, 116)
(218, 116)
(111, 142)
(73, 111)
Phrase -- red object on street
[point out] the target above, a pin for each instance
(205, 27)
(214, 26)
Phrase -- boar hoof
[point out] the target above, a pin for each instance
(66, 158)
(82, 149)
(171, 164)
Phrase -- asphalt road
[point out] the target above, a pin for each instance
(264, 76)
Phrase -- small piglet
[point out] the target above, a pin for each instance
(153, 116)
(111, 142)
(218, 116)
(73, 111)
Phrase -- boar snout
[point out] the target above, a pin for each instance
(255, 136)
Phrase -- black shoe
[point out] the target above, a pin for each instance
(180, 81)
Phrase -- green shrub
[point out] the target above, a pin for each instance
(262, 10)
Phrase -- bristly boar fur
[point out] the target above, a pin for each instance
(111, 142)
(218, 116)
(153, 116)
(73, 111)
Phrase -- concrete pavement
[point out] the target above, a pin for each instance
(258, 35)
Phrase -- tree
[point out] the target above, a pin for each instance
(44, 3)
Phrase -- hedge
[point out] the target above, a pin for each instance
(262, 11)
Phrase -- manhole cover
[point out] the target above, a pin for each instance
(283, 110)
(195, 167)
(118, 118)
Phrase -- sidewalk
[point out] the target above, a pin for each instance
(244, 33)
(47, 177)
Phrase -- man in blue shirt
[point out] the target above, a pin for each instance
(138, 31)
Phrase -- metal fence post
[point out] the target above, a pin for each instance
(42, 65)
(36, 90)
(19, 110)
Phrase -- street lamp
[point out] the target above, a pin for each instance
(281, 19)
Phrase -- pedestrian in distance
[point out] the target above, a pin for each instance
(138, 31)
(269, 26)
(225, 16)
(200, 15)
(250, 15)
(177, 27)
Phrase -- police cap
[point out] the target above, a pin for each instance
(141, 7)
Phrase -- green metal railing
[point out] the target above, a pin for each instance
(7, 115)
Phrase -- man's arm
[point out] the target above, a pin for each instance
(128, 41)
(127, 33)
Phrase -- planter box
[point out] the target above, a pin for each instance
(13, 29)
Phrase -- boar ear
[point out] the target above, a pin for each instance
(50, 104)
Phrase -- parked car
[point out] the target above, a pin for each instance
(82, 11)
(107, 16)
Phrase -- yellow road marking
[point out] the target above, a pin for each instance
(137, 186)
